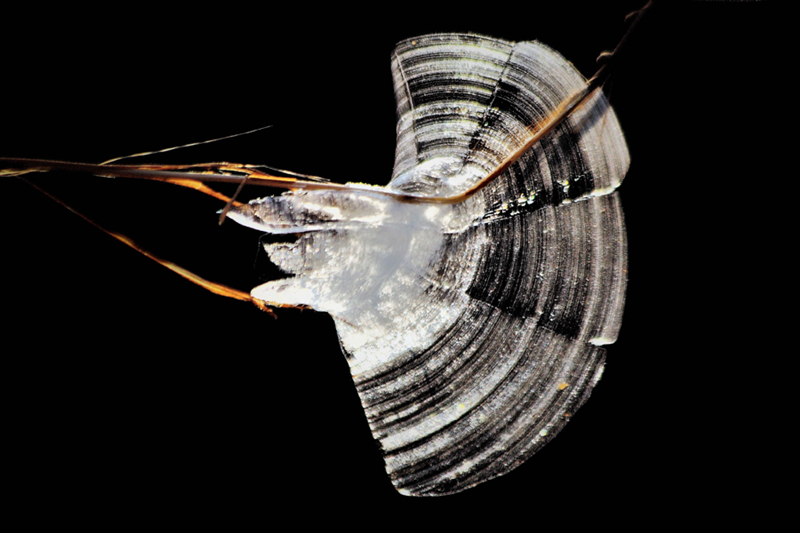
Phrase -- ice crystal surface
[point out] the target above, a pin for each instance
(473, 330)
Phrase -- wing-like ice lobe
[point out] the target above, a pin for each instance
(474, 331)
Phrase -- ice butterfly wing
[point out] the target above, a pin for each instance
(473, 330)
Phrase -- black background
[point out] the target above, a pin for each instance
(132, 394)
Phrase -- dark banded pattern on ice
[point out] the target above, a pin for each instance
(474, 330)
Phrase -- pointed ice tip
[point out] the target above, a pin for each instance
(246, 216)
